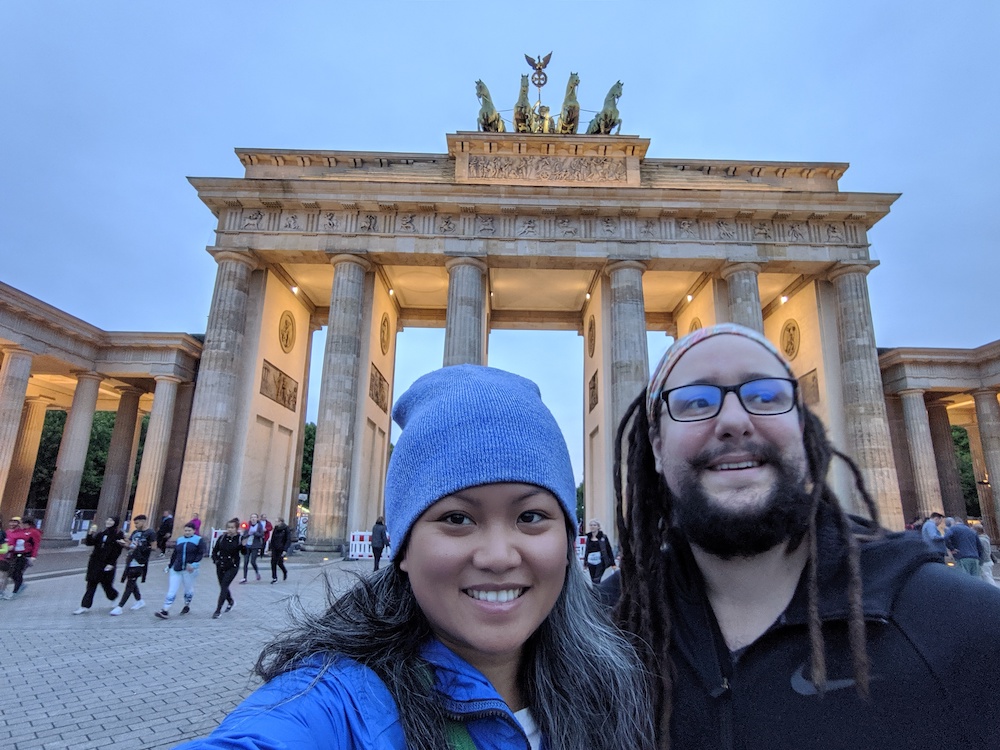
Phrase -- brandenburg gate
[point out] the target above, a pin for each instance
(517, 231)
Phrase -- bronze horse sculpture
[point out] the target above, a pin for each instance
(489, 120)
(569, 116)
(607, 119)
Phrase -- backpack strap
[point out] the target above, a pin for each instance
(458, 736)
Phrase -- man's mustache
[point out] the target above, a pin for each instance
(763, 453)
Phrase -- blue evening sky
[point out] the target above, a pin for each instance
(109, 106)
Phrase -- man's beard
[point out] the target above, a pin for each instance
(743, 532)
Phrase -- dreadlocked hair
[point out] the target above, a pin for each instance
(643, 514)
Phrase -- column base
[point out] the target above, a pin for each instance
(325, 545)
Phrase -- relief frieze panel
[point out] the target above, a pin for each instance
(547, 168)
(508, 225)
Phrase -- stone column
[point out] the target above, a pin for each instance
(465, 323)
(338, 403)
(293, 501)
(22, 465)
(866, 423)
(154, 449)
(132, 456)
(65, 489)
(988, 419)
(947, 461)
(118, 469)
(744, 295)
(629, 369)
(918, 440)
(987, 505)
(207, 458)
(14, 374)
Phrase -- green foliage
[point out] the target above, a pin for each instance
(308, 445)
(45, 465)
(965, 474)
(93, 467)
(580, 504)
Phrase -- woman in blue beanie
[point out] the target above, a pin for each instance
(482, 633)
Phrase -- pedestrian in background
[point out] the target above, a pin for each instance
(380, 539)
(22, 542)
(183, 569)
(139, 545)
(165, 531)
(102, 562)
(253, 543)
(597, 555)
(226, 556)
(268, 528)
(985, 554)
(280, 539)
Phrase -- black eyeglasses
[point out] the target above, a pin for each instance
(762, 397)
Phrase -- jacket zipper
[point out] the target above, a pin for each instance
(488, 713)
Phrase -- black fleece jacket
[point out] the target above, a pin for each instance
(933, 642)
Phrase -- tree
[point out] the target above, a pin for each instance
(45, 464)
(966, 476)
(581, 509)
(308, 444)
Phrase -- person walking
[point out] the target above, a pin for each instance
(6, 555)
(183, 568)
(985, 554)
(139, 545)
(280, 538)
(226, 556)
(102, 562)
(253, 543)
(22, 543)
(165, 531)
(482, 632)
(380, 539)
(268, 528)
(597, 555)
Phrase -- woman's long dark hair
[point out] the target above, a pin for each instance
(580, 678)
(644, 515)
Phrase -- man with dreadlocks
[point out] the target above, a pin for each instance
(770, 617)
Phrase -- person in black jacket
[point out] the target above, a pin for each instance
(226, 556)
(139, 545)
(380, 539)
(597, 556)
(279, 543)
(773, 618)
(102, 562)
(165, 531)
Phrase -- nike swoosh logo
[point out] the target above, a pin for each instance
(802, 686)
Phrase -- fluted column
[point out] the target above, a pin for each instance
(629, 357)
(465, 322)
(987, 506)
(866, 422)
(744, 295)
(988, 419)
(208, 455)
(15, 372)
(918, 440)
(65, 489)
(154, 449)
(22, 465)
(946, 460)
(338, 403)
(117, 469)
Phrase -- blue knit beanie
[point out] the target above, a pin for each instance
(467, 425)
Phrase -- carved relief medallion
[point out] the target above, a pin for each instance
(384, 333)
(695, 325)
(791, 337)
(286, 331)
(591, 336)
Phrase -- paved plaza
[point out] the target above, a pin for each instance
(96, 681)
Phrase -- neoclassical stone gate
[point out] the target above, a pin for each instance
(509, 231)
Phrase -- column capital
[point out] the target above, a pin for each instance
(844, 268)
(245, 257)
(465, 260)
(14, 349)
(87, 375)
(339, 258)
(126, 390)
(167, 379)
(984, 392)
(47, 400)
(911, 392)
(621, 265)
(732, 268)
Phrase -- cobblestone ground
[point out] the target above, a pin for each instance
(128, 682)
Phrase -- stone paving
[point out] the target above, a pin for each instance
(129, 682)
